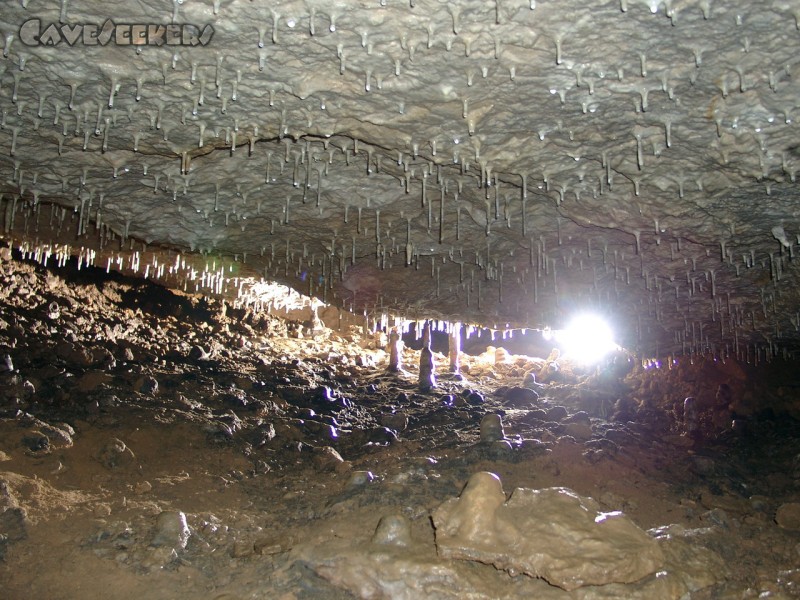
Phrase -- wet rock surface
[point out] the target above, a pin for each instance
(266, 465)
(551, 533)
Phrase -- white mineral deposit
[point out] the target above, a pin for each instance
(399, 299)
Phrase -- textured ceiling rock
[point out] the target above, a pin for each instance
(500, 162)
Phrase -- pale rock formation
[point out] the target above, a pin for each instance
(551, 533)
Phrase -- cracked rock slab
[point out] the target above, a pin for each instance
(552, 533)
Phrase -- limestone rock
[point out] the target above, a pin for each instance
(267, 545)
(396, 421)
(580, 431)
(198, 353)
(327, 458)
(550, 533)
(115, 454)
(393, 530)
(36, 441)
(557, 413)
(13, 524)
(696, 566)
(788, 516)
(91, 380)
(171, 530)
(521, 397)
(146, 385)
(242, 548)
(395, 574)
(73, 355)
(360, 478)
(492, 428)
(726, 502)
(13, 527)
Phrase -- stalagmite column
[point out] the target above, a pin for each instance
(395, 351)
(455, 347)
(690, 417)
(427, 377)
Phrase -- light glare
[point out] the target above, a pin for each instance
(587, 339)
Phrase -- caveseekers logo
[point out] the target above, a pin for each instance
(33, 33)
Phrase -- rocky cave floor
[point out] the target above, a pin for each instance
(125, 408)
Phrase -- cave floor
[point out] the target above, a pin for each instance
(125, 408)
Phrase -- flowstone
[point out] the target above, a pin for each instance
(551, 533)
(548, 544)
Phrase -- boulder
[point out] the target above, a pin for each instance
(551, 533)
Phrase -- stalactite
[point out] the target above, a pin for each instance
(441, 216)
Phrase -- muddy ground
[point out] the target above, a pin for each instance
(159, 445)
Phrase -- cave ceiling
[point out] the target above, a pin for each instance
(500, 162)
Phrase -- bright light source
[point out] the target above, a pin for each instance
(587, 339)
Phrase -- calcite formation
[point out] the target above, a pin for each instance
(492, 428)
(497, 162)
(427, 373)
(551, 533)
(547, 543)
(171, 530)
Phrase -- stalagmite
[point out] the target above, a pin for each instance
(454, 350)
(395, 351)
(427, 375)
